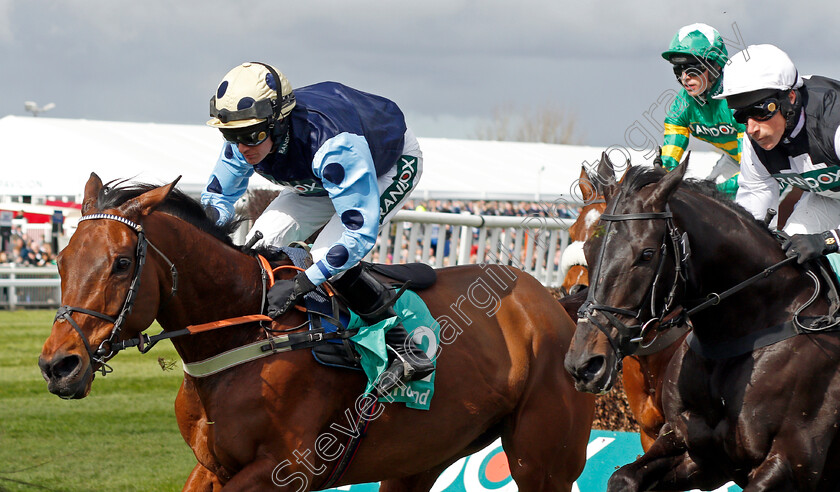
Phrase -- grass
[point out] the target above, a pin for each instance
(123, 436)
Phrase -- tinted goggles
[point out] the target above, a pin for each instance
(693, 68)
(249, 136)
(761, 111)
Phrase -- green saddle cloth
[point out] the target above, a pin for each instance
(370, 344)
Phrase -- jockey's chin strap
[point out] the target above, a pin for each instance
(111, 345)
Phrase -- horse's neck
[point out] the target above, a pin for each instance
(215, 282)
(727, 249)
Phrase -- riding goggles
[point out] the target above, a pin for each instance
(761, 111)
(693, 68)
(250, 136)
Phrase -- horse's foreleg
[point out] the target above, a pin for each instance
(192, 422)
(666, 465)
(268, 474)
(202, 480)
(422, 482)
(773, 474)
(642, 403)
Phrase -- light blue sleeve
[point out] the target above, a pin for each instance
(228, 182)
(345, 166)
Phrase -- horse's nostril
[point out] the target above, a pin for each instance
(63, 367)
(592, 368)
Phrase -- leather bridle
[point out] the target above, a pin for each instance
(108, 347)
(631, 339)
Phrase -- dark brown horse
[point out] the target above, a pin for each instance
(642, 372)
(282, 419)
(753, 396)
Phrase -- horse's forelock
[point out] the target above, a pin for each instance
(638, 177)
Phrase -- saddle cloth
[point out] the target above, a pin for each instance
(366, 350)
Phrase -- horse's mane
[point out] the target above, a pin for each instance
(638, 177)
(177, 204)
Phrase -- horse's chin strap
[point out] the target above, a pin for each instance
(64, 313)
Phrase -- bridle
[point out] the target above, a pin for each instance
(632, 338)
(108, 347)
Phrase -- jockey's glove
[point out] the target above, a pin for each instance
(657, 161)
(806, 247)
(212, 213)
(285, 293)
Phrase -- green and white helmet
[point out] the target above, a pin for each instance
(697, 41)
(248, 95)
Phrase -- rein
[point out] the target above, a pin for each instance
(101, 354)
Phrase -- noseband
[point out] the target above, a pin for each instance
(631, 338)
(106, 348)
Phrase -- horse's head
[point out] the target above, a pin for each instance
(573, 262)
(102, 277)
(632, 273)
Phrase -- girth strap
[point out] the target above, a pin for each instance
(259, 349)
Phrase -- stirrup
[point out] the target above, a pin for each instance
(408, 369)
(391, 377)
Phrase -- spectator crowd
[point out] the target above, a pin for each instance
(495, 207)
(22, 250)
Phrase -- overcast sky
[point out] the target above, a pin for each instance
(447, 63)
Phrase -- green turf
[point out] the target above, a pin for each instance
(123, 436)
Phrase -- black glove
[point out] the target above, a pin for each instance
(285, 293)
(212, 213)
(657, 161)
(807, 247)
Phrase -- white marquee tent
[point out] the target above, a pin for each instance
(54, 157)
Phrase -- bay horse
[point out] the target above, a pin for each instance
(276, 421)
(753, 395)
(642, 372)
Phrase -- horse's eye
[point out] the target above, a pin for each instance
(122, 264)
(647, 255)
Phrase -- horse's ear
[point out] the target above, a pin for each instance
(92, 189)
(147, 202)
(669, 183)
(588, 189)
(606, 176)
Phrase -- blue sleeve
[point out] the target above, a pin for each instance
(345, 166)
(228, 182)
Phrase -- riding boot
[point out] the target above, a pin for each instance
(370, 300)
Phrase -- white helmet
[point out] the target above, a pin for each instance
(755, 72)
(248, 96)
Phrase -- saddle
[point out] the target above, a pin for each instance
(330, 314)
(339, 352)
